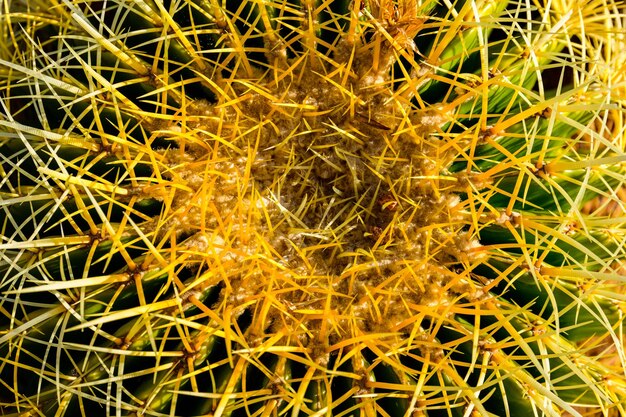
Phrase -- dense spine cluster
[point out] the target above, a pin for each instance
(341, 208)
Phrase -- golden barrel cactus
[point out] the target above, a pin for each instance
(311, 208)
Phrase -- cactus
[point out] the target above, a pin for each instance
(298, 207)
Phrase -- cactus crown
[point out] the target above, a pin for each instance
(311, 208)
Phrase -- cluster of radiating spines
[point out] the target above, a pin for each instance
(319, 209)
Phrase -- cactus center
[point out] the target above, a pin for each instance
(319, 200)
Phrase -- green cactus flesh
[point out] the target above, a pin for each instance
(307, 207)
